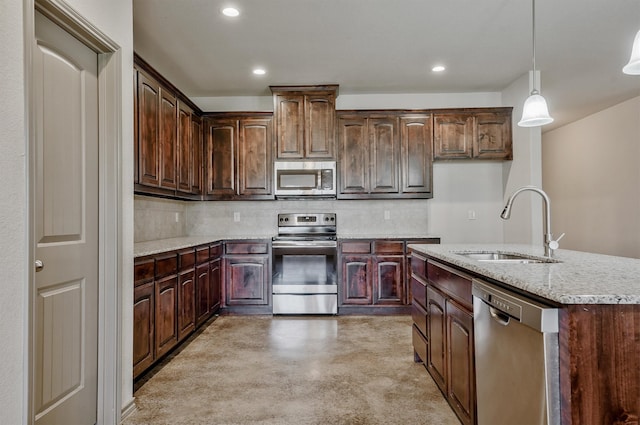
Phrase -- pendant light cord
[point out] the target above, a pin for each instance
(533, 42)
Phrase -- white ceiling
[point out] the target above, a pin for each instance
(389, 46)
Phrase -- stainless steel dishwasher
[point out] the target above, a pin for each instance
(516, 352)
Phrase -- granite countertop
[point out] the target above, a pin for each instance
(385, 236)
(578, 277)
(140, 249)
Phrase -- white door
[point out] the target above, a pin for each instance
(65, 324)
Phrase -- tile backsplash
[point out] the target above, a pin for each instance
(156, 218)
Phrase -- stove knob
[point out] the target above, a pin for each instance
(326, 219)
(333, 219)
(286, 219)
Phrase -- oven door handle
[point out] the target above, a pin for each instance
(304, 245)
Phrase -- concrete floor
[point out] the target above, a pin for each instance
(294, 370)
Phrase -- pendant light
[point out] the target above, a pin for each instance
(633, 67)
(535, 112)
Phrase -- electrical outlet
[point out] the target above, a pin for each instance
(236, 217)
(387, 215)
(471, 214)
(177, 217)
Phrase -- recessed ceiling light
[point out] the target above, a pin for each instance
(259, 71)
(230, 11)
(438, 68)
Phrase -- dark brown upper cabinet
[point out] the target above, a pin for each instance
(384, 154)
(304, 119)
(167, 140)
(479, 133)
(239, 156)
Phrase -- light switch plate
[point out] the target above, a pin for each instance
(236, 216)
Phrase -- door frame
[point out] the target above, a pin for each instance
(109, 203)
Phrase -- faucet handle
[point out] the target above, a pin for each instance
(554, 244)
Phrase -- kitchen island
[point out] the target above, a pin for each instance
(598, 297)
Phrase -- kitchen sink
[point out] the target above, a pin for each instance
(505, 257)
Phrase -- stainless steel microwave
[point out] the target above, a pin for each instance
(304, 178)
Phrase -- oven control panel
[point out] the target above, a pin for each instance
(315, 219)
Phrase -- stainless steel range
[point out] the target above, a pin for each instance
(304, 264)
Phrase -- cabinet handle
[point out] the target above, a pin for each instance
(39, 266)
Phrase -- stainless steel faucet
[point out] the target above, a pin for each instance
(549, 244)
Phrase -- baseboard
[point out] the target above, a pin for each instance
(127, 410)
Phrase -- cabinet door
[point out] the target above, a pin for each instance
(357, 285)
(168, 139)
(186, 303)
(221, 157)
(461, 373)
(185, 149)
(453, 135)
(493, 139)
(215, 284)
(254, 157)
(166, 320)
(437, 327)
(383, 148)
(289, 113)
(319, 112)
(203, 308)
(197, 155)
(353, 140)
(247, 280)
(143, 335)
(388, 279)
(148, 122)
(416, 142)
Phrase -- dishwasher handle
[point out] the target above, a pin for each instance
(498, 316)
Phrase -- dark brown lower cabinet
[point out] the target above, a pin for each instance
(143, 320)
(373, 275)
(388, 279)
(437, 357)
(247, 280)
(247, 276)
(461, 373)
(174, 292)
(186, 303)
(166, 319)
(443, 336)
(203, 276)
(356, 280)
(215, 283)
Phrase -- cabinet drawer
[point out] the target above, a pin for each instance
(202, 254)
(187, 258)
(247, 248)
(454, 283)
(144, 270)
(419, 265)
(389, 247)
(215, 250)
(419, 344)
(419, 292)
(166, 264)
(419, 316)
(359, 247)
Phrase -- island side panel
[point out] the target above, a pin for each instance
(600, 364)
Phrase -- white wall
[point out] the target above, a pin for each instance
(12, 214)
(114, 18)
(591, 171)
(525, 225)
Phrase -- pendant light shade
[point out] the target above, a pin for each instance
(633, 67)
(534, 112)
